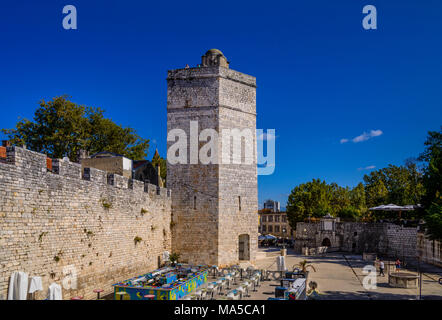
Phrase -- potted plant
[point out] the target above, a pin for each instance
(173, 258)
(304, 266)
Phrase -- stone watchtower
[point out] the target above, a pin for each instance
(214, 206)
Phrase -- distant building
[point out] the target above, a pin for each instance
(144, 170)
(274, 206)
(275, 223)
(111, 162)
(108, 161)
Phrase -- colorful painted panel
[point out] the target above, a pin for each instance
(182, 282)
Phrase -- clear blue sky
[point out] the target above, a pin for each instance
(321, 77)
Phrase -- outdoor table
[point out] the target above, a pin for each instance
(98, 291)
(77, 298)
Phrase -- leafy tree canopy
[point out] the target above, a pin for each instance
(432, 181)
(401, 185)
(316, 198)
(61, 128)
(432, 178)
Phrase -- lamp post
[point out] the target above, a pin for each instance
(420, 275)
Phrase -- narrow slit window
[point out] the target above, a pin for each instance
(194, 202)
(239, 203)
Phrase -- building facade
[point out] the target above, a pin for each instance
(214, 205)
(109, 162)
(275, 223)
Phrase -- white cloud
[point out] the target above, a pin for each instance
(375, 133)
(367, 168)
(364, 137)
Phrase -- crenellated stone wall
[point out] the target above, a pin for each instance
(69, 224)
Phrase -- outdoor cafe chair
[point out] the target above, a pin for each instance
(204, 294)
(233, 295)
(249, 285)
(228, 280)
(242, 291)
(243, 273)
(198, 294)
(211, 289)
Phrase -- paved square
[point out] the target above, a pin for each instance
(340, 275)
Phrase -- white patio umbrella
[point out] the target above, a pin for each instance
(393, 207)
(387, 207)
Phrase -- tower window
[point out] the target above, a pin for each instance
(194, 202)
(239, 203)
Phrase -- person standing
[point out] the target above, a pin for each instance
(381, 267)
(398, 265)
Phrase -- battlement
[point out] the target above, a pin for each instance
(39, 164)
(54, 215)
(211, 72)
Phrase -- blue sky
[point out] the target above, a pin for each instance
(321, 77)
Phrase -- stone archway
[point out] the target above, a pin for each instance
(244, 247)
(326, 242)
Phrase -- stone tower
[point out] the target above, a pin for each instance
(214, 206)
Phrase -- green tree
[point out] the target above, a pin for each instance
(433, 222)
(339, 198)
(401, 185)
(158, 160)
(432, 176)
(349, 213)
(61, 128)
(358, 199)
(311, 199)
(432, 181)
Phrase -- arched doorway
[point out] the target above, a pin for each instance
(244, 247)
(326, 242)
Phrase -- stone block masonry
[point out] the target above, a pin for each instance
(383, 238)
(66, 222)
(214, 208)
